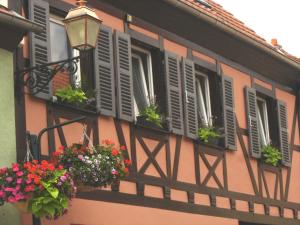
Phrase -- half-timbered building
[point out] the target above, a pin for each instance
(202, 66)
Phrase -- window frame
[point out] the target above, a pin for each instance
(205, 106)
(263, 123)
(149, 92)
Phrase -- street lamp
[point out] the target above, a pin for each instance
(82, 26)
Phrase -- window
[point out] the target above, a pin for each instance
(263, 121)
(203, 99)
(60, 50)
(58, 40)
(142, 79)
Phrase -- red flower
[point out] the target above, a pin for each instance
(56, 153)
(60, 167)
(108, 142)
(37, 180)
(29, 188)
(123, 148)
(127, 162)
(114, 152)
(51, 167)
(61, 148)
(126, 170)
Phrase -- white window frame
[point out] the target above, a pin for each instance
(203, 110)
(149, 93)
(263, 126)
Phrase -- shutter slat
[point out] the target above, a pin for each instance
(254, 139)
(104, 73)
(283, 133)
(124, 76)
(174, 96)
(40, 45)
(189, 99)
(229, 114)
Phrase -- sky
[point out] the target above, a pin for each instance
(278, 19)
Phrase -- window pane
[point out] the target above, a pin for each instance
(138, 84)
(58, 42)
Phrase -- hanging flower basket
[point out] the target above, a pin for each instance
(93, 167)
(43, 189)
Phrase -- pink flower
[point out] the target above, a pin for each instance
(9, 179)
(114, 172)
(9, 189)
(19, 173)
(19, 181)
(18, 187)
(80, 157)
(11, 199)
(19, 197)
(15, 167)
(28, 181)
(2, 194)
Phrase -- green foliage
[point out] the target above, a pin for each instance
(51, 200)
(271, 155)
(71, 95)
(204, 133)
(150, 113)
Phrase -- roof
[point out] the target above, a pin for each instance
(217, 12)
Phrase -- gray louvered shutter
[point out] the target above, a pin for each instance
(254, 139)
(104, 73)
(229, 113)
(124, 76)
(174, 96)
(189, 98)
(40, 45)
(283, 133)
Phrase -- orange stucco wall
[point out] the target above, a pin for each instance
(87, 212)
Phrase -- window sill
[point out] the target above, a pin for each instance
(218, 146)
(269, 167)
(141, 123)
(80, 108)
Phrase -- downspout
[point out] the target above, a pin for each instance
(235, 33)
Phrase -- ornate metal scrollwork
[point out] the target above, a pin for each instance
(32, 78)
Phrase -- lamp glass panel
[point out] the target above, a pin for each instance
(93, 27)
(76, 32)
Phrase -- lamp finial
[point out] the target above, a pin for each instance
(81, 2)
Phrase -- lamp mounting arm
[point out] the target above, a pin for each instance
(38, 77)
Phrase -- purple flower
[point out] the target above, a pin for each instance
(59, 183)
(63, 178)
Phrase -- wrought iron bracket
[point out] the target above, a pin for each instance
(31, 77)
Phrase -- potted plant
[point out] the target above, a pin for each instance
(94, 167)
(69, 95)
(44, 189)
(209, 135)
(149, 117)
(271, 155)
